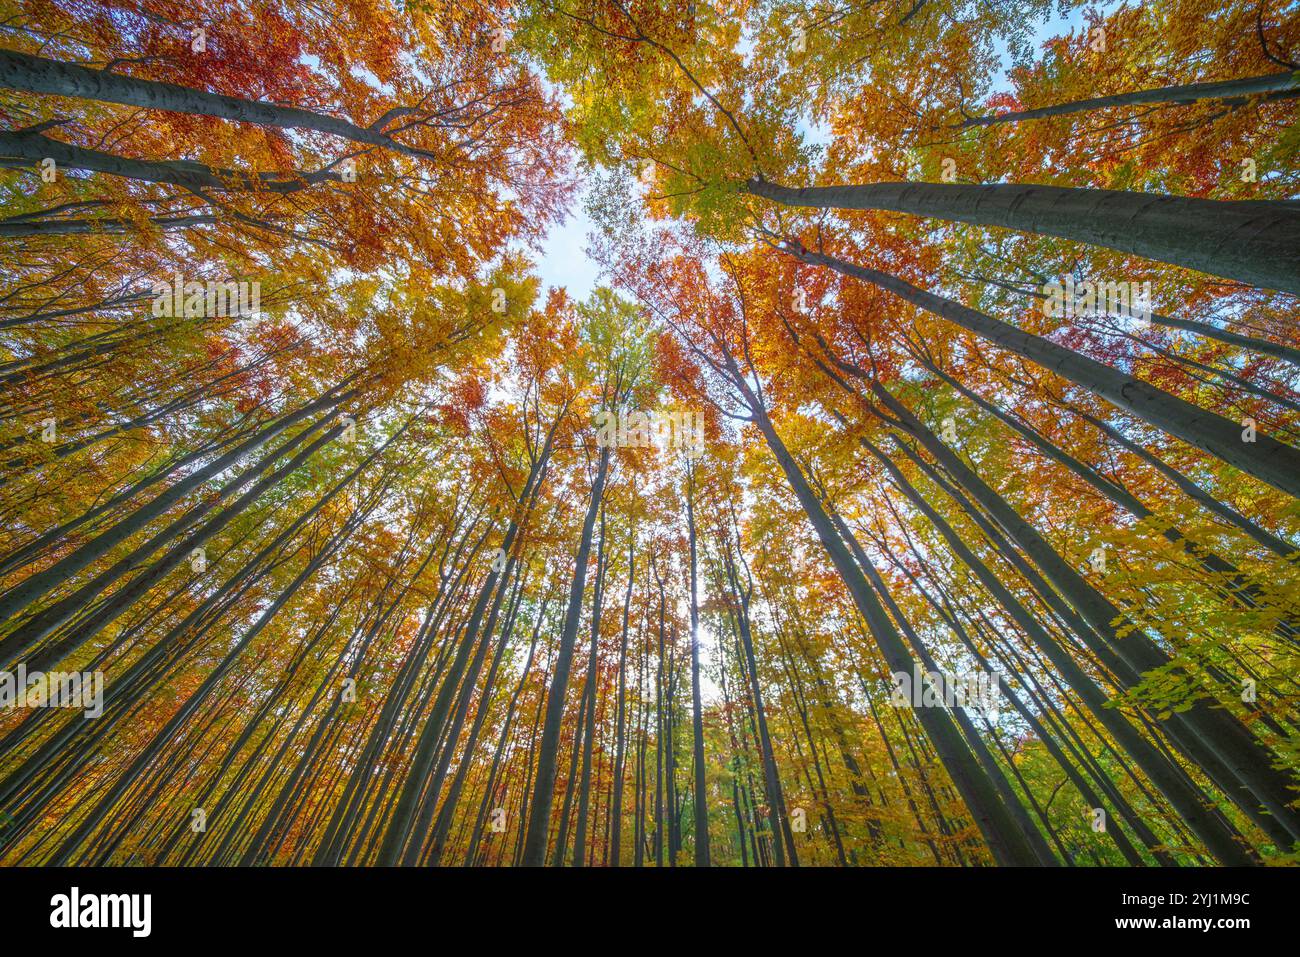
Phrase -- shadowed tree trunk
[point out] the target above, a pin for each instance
(620, 736)
(589, 731)
(697, 717)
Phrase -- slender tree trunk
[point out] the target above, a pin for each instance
(539, 812)
(620, 737)
(697, 722)
(1272, 86)
(589, 732)
(1266, 458)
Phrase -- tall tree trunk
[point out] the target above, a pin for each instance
(21, 596)
(589, 732)
(697, 722)
(400, 825)
(37, 74)
(1273, 85)
(1267, 459)
(1252, 241)
(539, 812)
(620, 736)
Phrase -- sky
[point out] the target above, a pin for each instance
(564, 262)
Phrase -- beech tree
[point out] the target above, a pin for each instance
(916, 484)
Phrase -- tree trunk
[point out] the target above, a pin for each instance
(1252, 241)
(1267, 459)
(697, 721)
(539, 812)
(1279, 85)
(36, 74)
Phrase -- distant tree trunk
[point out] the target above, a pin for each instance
(1197, 494)
(782, 837)
(417, 779)
(472, 852)
(700, 795)
(21, 596)
(539, 812)
(589, 733)
(977, 746)
(620, 739)
(661, 726)
(92, 819)
(183, 173)
(464, 756)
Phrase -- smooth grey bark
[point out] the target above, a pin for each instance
(1252, 241)
(949, 616)
(1237, 588)
(452, 733)
(1279, 84)
(152, 666)
(447, 813)
(991, 768)
(1266, 458)
(37, 74)
(349, 807)
(471, 853)
(184, 173)
(1193, 491)
(81, 227)
(50, 619)
(539, 812)
(700, 795)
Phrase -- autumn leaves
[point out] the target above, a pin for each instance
(490, 576)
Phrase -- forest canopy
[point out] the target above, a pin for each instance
(917, 486)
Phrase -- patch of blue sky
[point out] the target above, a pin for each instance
(563, 260)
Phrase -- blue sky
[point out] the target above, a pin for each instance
(564, 262)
